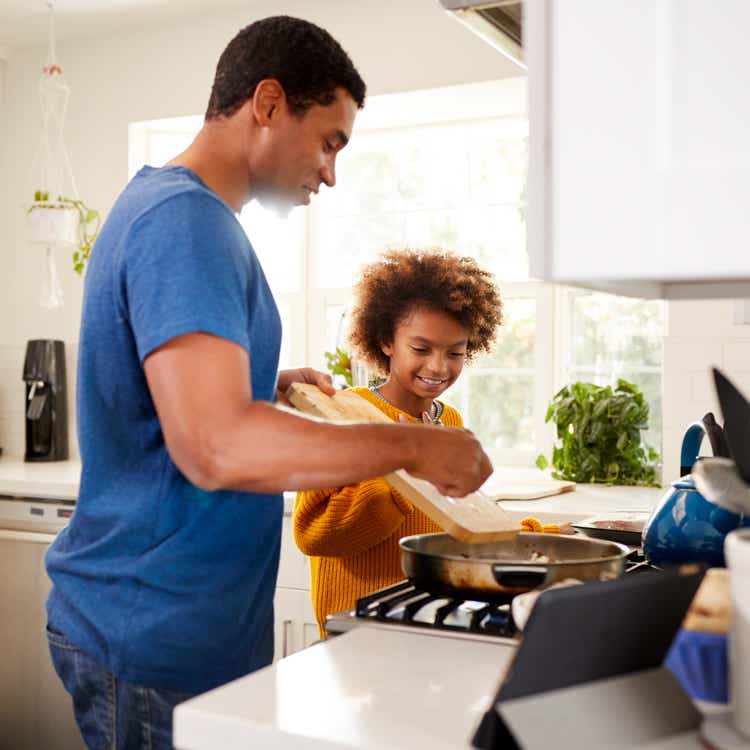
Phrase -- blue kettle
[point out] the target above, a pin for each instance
(684, 526)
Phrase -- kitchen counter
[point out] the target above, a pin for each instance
(585, 500)
(58, 480)
(588, 500)
(368, 689)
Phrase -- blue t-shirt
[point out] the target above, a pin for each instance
(167, 585)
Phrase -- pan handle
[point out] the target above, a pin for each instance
(519, 576)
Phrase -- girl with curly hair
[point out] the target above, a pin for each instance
(419, 316)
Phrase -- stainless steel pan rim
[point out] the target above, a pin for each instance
(415, 543)
(496, 570)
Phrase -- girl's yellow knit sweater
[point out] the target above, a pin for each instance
(351, 533)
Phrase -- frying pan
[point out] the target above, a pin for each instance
(440, 564)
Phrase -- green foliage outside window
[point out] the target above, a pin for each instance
(339, 363)
(598, 430)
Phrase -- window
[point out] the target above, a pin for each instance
(444, 167)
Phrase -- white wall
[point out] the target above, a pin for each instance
(398, 45)
(700, 335)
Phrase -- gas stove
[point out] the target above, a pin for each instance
(405, 607)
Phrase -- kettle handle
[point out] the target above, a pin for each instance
(691, 443)
(716, 436)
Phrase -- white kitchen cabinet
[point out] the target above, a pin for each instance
(295, 626)
(294, 569)
(35, 710)
(639, 175)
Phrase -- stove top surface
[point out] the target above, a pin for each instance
(403, 606)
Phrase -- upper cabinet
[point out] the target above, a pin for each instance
(639, 130)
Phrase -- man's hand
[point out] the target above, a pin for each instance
(302, 375)
(451, 458)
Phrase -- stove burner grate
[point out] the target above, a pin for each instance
(406, 604)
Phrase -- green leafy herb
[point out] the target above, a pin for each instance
(599, 435)
(339, 363)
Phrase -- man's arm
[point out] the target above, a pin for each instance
(220, 438)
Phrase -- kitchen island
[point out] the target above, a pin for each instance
(380, 688)
(368, 689)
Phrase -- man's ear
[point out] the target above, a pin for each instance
(269, 100)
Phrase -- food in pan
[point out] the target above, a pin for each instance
(537, 557)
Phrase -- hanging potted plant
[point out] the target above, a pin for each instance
(65, 221)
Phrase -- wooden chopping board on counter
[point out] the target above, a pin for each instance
(526, 489)
(474, 518)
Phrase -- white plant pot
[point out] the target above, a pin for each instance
(53, 224)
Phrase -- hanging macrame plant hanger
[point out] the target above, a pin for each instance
(57, 218)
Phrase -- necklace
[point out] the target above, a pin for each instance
(437, 407)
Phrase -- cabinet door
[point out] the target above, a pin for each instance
(310, 631)
(295, 626)
(287, 622)
(639, 155)
(35, 710)
(294, 571)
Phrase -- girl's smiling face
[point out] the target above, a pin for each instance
(426, 355)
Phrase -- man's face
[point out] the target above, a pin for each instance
(299, 152)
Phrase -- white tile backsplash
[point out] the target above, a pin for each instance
(701, 335)
(737, 356)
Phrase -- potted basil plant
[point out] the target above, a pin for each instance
(598, 435)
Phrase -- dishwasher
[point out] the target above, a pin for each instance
(35, 710)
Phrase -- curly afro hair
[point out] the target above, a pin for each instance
(306, 60)
(402, 280)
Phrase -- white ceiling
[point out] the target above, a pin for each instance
(25, 22)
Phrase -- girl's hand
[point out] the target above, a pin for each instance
(302, 375)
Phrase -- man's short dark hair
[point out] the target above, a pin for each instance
(306, 60)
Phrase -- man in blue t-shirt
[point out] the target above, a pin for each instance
(163, 581)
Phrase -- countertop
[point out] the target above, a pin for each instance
(60, 480)
(368, 689)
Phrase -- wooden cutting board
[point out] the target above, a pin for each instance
(531, 489)
(474, 518)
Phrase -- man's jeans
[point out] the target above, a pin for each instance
(112, 714)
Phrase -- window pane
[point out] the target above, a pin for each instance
(165, 145)
(458, 185)
(515, 342)
(619, 337)
(342, 244)
(499, 409)
(609, 332)
(336, 327)
(285, 356)
(499, 406)
(278, 243)
(497, 166)
(650, 385)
